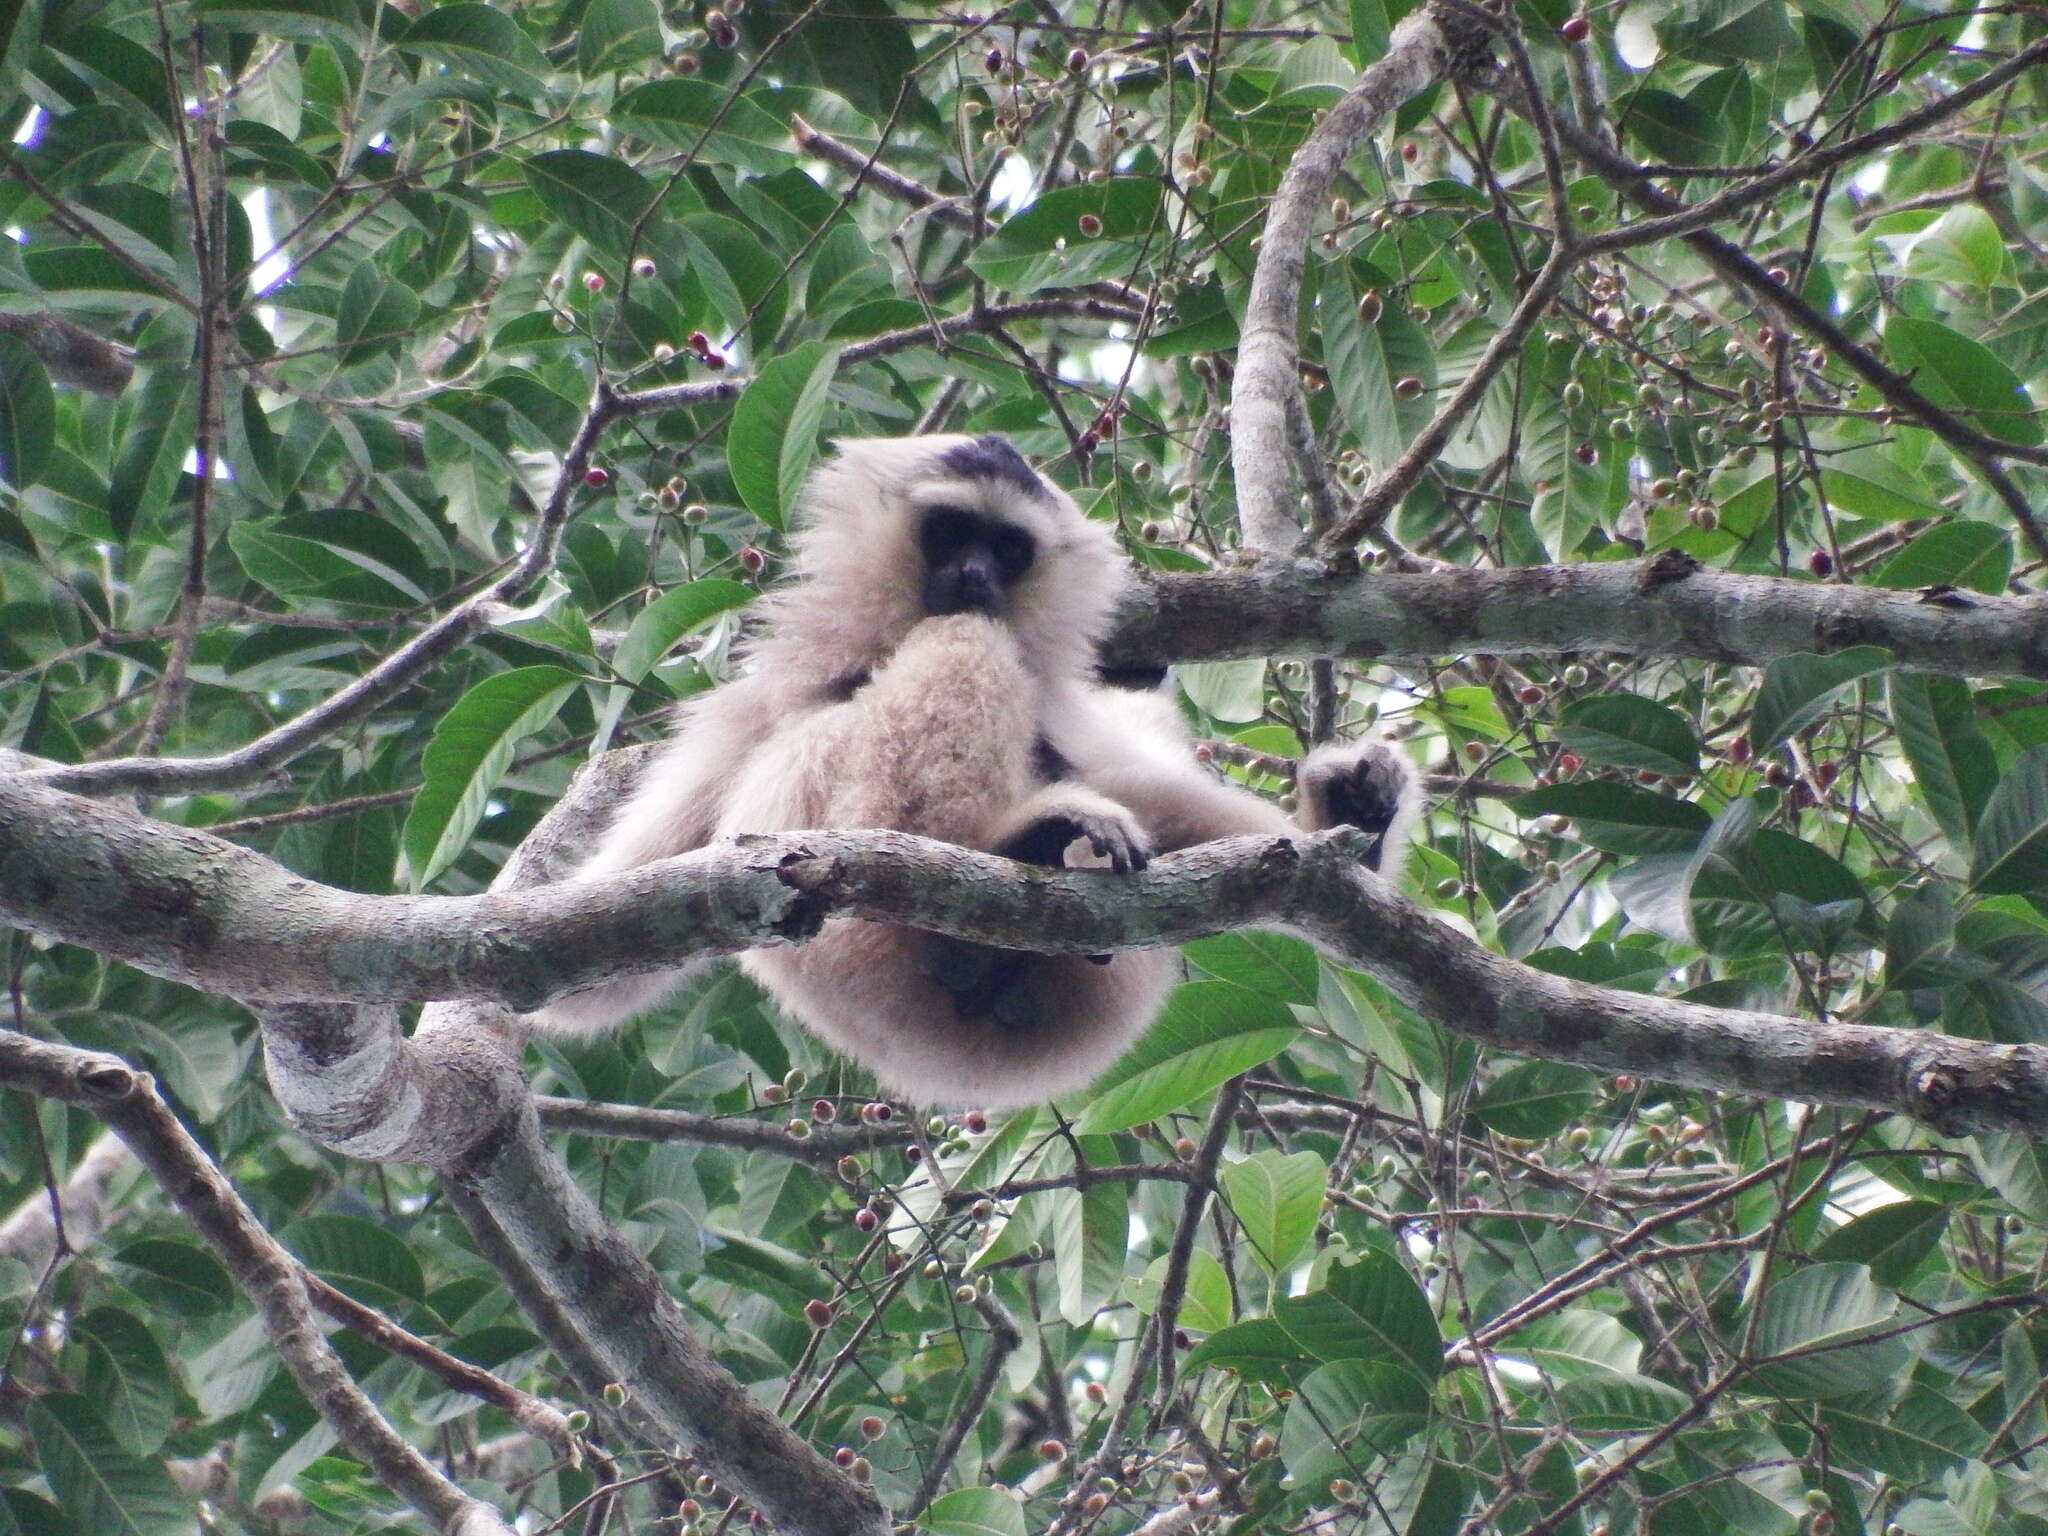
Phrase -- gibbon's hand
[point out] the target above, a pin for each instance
(1112, 835)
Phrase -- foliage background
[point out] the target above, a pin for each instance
(374, 263)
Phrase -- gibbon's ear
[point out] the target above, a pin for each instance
(1367, 784)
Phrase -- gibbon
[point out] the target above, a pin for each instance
(930, 668)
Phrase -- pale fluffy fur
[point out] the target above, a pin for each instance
(941, 740)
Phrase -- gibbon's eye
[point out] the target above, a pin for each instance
(971, 561)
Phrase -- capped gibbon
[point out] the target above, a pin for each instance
(930, 668)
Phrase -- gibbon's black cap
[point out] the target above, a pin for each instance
(992, 458)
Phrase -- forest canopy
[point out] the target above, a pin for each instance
(1632, 411)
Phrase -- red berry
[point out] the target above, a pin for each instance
(1576, 30)
(1052, 1450)
(843, 1456)
(1530, 694)
(715, 361)
(1410, 151)
(1090, 225)
(1077, 60)
(752, 560)
(597, 479)
(871, 1427)
(1569, 762)
(698, 343)
(1407, 387)
(824, 1111)
(993, 61)
(1738, 751)
(866, 1220)
(818, 1313)
(1821, 563)
(594, 281)
(644, 267)
(974, 1122)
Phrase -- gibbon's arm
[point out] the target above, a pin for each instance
(1135, 749)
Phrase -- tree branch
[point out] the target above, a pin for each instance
(189, 906)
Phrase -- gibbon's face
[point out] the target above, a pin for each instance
(971, 561)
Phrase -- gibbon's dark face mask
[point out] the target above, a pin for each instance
(971, 561)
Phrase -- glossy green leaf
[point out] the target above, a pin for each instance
(1952, 761)
(2012, 837)
(480, 41)
(677, 612)
(104, 1489)
(1620, 818)
(1370, 1309)
(1625, 730)
(1964, 376)
(974, 1512)
(1276, 1199)
(1210, 1032)
(1534, 1100)
(600, 198)
(1957, 554)
(28, 415)
(1890, 1241)
(774, 437)
(371, 1263)
(470, 751)
(1797, 689)
(1815, 1320)
(1049, 245)
(706, 117)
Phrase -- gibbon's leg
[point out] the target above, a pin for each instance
(1370, 785)
(943, 741)
(983, 980)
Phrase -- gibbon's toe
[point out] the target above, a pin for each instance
(1369, 785)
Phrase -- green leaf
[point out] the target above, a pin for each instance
(1210, 1032)
(1962, 246)
(1619, 818)
(684, 114)
(1346, 1413)
(1890, 1241)
(1370, 1309)
(1047, 246)
(677, 612)
(470, 751)
(1576, 1342)
(1276, 1199)
(1952, 761)
(597, 197)
(1534, 1100)
(1820, 1313)
(1615, 1404)
(1259, 1349)
(1914, 1440)
(1797, 690)
(617, 34)
(774, 435)
(311, 21)
(479, 41)
(1625, 730)
(1090, 1229)
(1205, 1294)
(1272, 964)
(127, 1377)
(1957, 554)
(2012, 838)
(28, 415)
(368, 1262)
(1965, 376)
(101, 1487)
(181, 1278)
(376, 315)
(974, 1512)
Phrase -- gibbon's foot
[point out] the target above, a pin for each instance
(1370, 786)
(1113, 837)
(981, 980)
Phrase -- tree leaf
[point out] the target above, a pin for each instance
(1619, 818)
(1210, 1032)
(100, 1486)
(600, 198)
(1956, 554)
(470, 751)
(480, 41)
(1964, 376)
(1370, 1309)
(2012, 838)
(677, 612)
(1277, 1200)
(1798, 688)
(1534, 1100)
(1952, 761)
(974, 1512)
(28, 415)
(774, 435)
(1626, 730)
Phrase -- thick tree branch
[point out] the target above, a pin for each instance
(1268, 355)
(186, 905)
(1667, 606)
